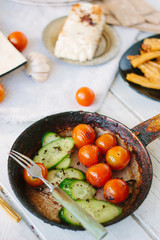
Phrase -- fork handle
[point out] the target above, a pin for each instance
(87, 221)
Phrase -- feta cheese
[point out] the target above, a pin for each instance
(81, 33)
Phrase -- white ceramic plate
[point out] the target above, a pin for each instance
(108, 47)
(49, 2)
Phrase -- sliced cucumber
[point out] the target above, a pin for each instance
(100, 210)
(49, 137)
(57, 176)
(54, 152)
(64, 164)
(77, 189)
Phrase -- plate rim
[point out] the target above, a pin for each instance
(48, 2)
(115, 48)
(124, 78)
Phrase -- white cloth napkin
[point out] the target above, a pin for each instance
(27, 100)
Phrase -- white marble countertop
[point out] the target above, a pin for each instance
(125, 105)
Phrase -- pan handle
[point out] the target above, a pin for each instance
(149, 130)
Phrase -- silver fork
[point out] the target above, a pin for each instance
(87, 221)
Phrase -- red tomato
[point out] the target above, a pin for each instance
(89, 155)
(116, 190)
(117, 157)
(19, 40)
(35, 182)
(105, 142)
(2, 93)
(85, 96)
(83, 134)
(98, 174)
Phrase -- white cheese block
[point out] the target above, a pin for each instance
(10, 57)
(81, 32)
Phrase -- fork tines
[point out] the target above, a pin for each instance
(23, 160)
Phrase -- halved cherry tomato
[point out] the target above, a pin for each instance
(85, 96)
(116, 190)
(89, 155)
(98, 174)
(2, 93)
(83, 134)
(105, 142)
(35, 182)
(18, 39)
(117, 157)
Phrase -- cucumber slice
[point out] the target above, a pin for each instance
(100, 210)
(54, 152)
(77, 189)
(49, 137)
(64, 164)
(57, 176)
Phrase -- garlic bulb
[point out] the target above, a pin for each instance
(37, 66)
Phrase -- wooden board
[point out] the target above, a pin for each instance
(122, 104)
(127, 228)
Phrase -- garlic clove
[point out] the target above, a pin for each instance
(40, 77)
(38, 66)
(42, 68)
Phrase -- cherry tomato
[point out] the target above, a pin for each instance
(98, 174)
(85, 96)
(105, 142)
(117, 157)
(116, 190)
(35, 182)
(19, 40)
(89, 155)
(2, 93)
(83, 134)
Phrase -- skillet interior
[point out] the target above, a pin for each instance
(139, 169)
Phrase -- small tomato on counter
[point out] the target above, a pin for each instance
(98, 174)
(83, 134)
(117, 157)
(116, 191)
(85, 96)
(105, 142)
(89, 155)
(19, 40)
(2, 93)
(35, 182)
